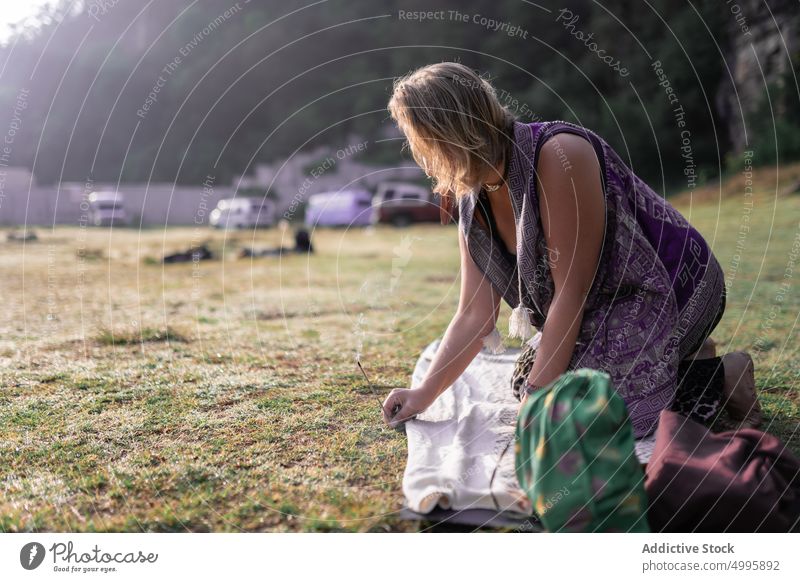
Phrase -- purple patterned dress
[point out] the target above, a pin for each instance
(655, 296)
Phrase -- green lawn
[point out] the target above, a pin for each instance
(224, 397)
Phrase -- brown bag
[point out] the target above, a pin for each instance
(738, 481)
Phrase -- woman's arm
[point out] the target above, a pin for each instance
(475, 318)
(572, 208)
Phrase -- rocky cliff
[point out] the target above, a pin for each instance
(762, 37)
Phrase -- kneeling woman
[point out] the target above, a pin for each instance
(552, 221)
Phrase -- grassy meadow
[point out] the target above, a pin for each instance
(223, 395)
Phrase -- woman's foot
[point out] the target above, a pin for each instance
(739, 391)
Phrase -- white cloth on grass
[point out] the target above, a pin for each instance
(454, 446)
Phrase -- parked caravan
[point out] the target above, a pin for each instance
(243, 212)
(107, 208)
(341, 208)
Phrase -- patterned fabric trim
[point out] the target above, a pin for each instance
(701, 312)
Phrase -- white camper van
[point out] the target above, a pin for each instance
(107, 209)
(339, 208)
(243, 212)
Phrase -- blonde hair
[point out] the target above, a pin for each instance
(454, 123)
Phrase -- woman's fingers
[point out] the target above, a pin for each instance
(392, 405)
(401, 405)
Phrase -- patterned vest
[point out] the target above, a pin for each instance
(650, 261)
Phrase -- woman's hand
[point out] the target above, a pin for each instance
(403, 404)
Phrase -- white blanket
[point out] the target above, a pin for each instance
(455, 445)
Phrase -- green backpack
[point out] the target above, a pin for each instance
(575, 457)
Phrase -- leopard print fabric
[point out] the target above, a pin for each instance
(522, 370)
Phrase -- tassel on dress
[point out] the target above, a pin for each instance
(519, 324)
(535, 340)
(494, 342)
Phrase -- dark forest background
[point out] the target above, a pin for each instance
(276, 76)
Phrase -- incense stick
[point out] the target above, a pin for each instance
(396, 407)
(494, 474)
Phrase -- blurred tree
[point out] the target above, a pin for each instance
(239, 83)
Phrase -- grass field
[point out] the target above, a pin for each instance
(224, 396)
